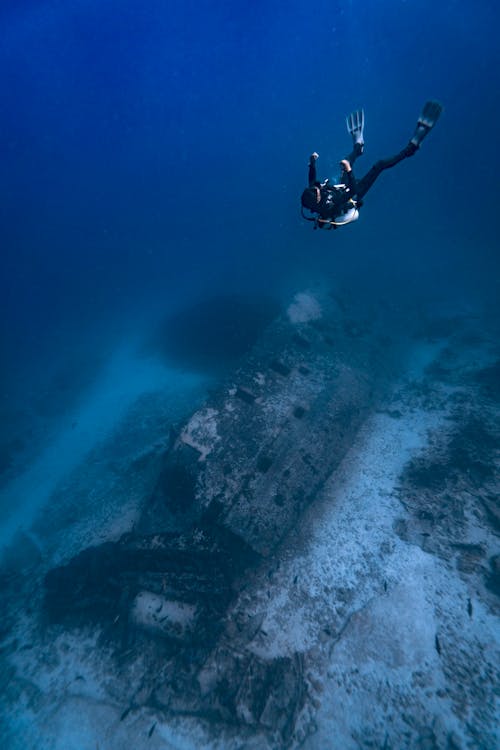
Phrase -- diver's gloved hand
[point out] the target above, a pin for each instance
(346, 165)
(313, 156)
(355, 126)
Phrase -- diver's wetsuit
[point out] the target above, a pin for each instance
(364, 184)
(334, 200)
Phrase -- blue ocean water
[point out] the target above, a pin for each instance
(151, 150)
(152, 158)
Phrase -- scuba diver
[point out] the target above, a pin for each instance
(333, 205)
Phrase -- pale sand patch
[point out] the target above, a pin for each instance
(201, 432)
(304, 308)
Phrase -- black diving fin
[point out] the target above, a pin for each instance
(426, 121)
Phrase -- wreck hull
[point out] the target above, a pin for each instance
(254, 457)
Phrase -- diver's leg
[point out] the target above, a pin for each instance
(357, 151)
(365, 183)
(355, 127)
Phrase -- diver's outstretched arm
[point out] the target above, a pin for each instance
(312, 169)
(348, 177)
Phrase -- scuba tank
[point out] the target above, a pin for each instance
(333, 204)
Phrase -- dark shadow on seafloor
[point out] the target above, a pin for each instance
(213, 334)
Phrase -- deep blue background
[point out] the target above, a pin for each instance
(153, 151)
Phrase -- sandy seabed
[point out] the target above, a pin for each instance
(386, 591)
